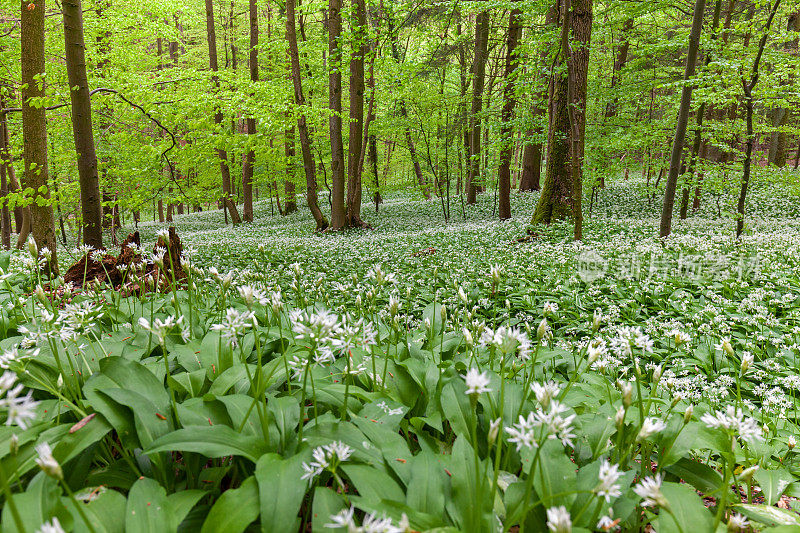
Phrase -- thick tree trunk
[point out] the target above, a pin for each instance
(509, 101)
(302, 128)
(683, 119)
(250, 158)
(221, 154)
(34, 129)
(558, 199)
(338, 215)
(354, 147)
(478, 81)
(82, 123)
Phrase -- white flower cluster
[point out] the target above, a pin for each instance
(326, 457)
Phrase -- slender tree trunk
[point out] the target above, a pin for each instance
(412, 151)
(82, 123)
(354, 148)
(504, 172)
(221, 154)
(619, 65)
(748, 87)
(5, 162)
(288, 184)
(34, 129)
(779, 145)
(250, 158)
(478, 80)
(338, 215)
(683, 119)
(302, 128)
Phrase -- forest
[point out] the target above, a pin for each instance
(399, 266)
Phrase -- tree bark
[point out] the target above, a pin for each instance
(302, 128)
(779, 145)
(288, 184)
(356, 142)
(506, 130)
(338, 215)
(250, 158)
(558, 199)
(221, 153)
(91, 205)
(34, 129)
(683, 119)
(748, 87)
(478, 81)
(5, 162)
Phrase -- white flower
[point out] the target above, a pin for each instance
(609, 475)
(47, 462)
(507, 340)
(651, 426)
(545, 392)
(734, 422)
(53, 526)
(550, 308)
(737, 522)
(494, 273)
(606, 523)
(326, 457)
(250, 295)
(558, 520)
(649, 489)
(20, 410)
(557, 426)
(522, 433)
(747, 362)
(235, 324)
(343, 518)
(161, 328)
(476, 381)
(725, 346)
(163, 232)
(319, 328)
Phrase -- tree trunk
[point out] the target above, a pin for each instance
(479, 78)
(683, 119)
(748, 105)
(558, 199)
(338, 216)
(34, 130)
(506, 130)
(221, 154)
(412, 151)
(779, 145)
(5, 162)
(250, 158)
(82, 123)
(302, 128)
(354, 147)
(288, 184)
(619, 64)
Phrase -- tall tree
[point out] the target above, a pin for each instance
(683, 119)
(338, 215)
(91, 201)
(354, 147)
(250, 158)
(302, 127)
(34, 128)
(5, 164)
(221, 153)
(288, 184)
(780, 116)
(509, 101)
(478, 81)
(558, 199)
(748, 86)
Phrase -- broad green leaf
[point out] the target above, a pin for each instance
(234, 510)
(281, 491)
(211, 441)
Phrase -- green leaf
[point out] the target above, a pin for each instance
(373, 484)
(106, 512)
(698, 475)
(326, 503)
(773, 483)
(234, 510)
(211, 441)
(148, 510)
(686, 508)
(770, 516)
(456, 407)
(182, 502)
(38, 504)
(281, 491)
